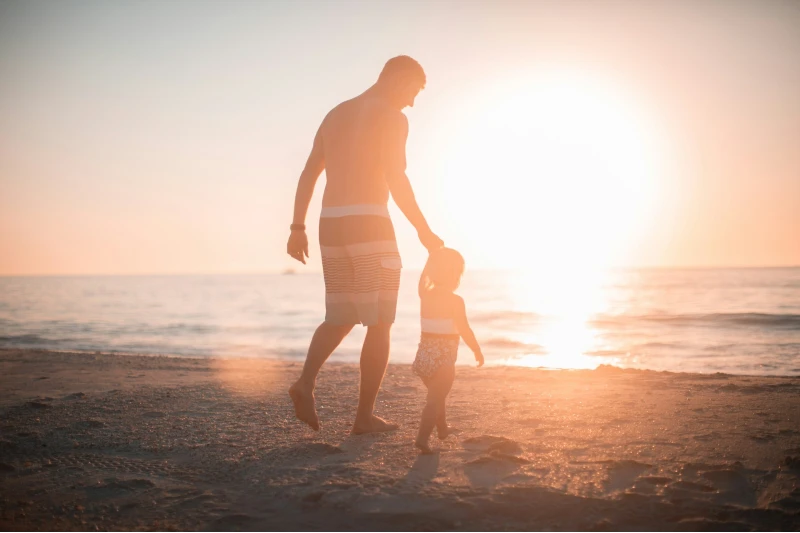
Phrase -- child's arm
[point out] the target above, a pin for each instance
(465, 331)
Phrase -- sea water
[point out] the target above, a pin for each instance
(741, 321)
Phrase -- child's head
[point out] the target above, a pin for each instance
(443, 270)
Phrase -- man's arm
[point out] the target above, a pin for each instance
(297, 247)
(394, 151)
(308, 179)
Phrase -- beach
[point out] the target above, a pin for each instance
(109, 442)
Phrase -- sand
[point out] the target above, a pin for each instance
(108, 442)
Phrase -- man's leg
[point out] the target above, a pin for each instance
(374, 358)
(323, 343)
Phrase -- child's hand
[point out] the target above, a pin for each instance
(479, 358)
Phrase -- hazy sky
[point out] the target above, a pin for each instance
(167, 137)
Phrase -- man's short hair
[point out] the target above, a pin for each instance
(403, 67)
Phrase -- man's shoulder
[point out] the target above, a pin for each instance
(363, 107)
(338, 110)
(379, 107)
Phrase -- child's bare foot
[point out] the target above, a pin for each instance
(445, 432)
(424, 448)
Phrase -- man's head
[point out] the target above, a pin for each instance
(401, 79)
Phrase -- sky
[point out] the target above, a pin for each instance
(145, 137)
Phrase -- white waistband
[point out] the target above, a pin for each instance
(439, 325)
(358, 209)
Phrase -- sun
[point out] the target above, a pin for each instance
(554, 173)
(551, 170)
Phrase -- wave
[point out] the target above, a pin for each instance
(504, 343)
(492, 316)
(26, 339)
(791, 321)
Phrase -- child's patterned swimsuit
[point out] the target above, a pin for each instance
(438, 346)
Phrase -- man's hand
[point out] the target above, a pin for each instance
(430, 240)
(297, 247)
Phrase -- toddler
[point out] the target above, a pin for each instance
(444, 322)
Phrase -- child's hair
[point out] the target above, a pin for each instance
(443, 269)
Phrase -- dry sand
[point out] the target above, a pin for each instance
(126, 442)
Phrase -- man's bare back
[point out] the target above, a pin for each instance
(362, 139)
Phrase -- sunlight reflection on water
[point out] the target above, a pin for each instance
(568, 299)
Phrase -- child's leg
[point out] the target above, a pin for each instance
(442, 428)
(438, 387)
(441, 420)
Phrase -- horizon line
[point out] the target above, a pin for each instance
(293, 272)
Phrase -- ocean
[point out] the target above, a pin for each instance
(738, 321)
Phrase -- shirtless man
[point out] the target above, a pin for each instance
(361, 144)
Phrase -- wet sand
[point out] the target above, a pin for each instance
(115, 442)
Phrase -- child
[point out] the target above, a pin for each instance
(444, 322)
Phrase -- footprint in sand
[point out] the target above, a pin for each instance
(312, 451)
(692, 486)
(508, 447)
(500, 459)
(763, 437)
(623, 474)
(726, 479)
(232, 522)
(788, 503)
(113, 487)
(655, 480)
(792, 462)
(651, 484)
(733, 487)
(486, 442)
(489, 471)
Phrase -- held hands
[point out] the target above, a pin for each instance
(297, 247)
(479, 358)
(430, 240)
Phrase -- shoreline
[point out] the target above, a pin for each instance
(145, 442)
(299, 361)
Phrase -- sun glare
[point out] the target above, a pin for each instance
(554, 174)
(551, 170)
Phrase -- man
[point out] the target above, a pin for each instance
(361, 146)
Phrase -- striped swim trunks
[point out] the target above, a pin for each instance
(361, 264)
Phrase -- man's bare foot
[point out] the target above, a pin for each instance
(304, 408)
(446, 432)
(376, 425)
(424, 448)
